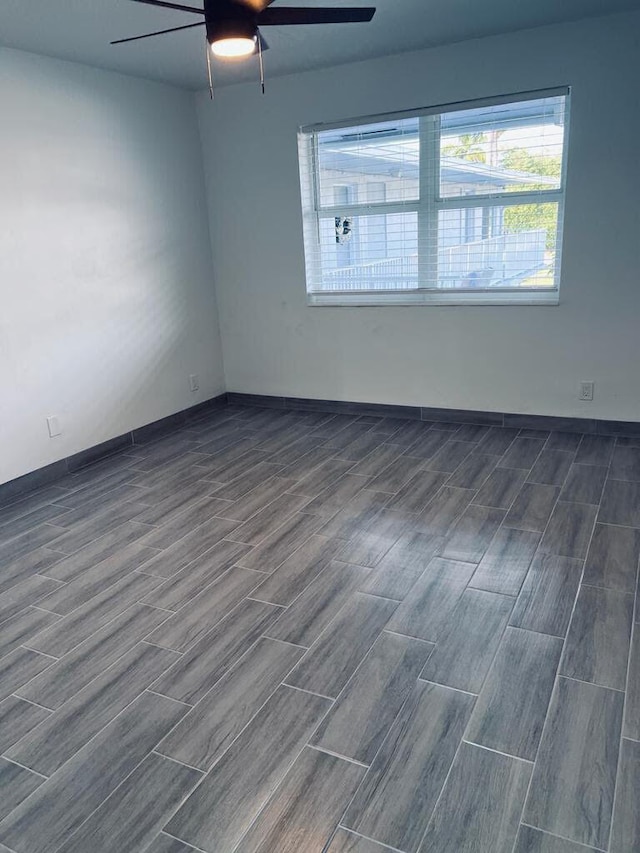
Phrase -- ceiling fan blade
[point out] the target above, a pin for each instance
(164, 5)
(159, 33)
(285, 17)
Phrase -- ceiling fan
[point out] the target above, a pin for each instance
(233, 26)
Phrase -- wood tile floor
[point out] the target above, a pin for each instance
(286, 632)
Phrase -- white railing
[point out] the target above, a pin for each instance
(494, 262)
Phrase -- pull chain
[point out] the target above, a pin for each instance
(261, 61)
(209, 69)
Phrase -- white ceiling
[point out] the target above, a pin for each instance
(80, 30)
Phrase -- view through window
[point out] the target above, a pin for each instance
(463, 203)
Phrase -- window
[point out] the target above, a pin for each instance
(461, 204)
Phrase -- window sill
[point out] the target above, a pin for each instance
(462, 298)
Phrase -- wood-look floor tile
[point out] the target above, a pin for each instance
(19, 667)
(427, 444)
(175, 504)
(450, 456)
(43, 822)
(205, 610)
(284, 541)
(370, 544)
(480, 805)
(15, 571)
(584, 484)
(409, 432)
(632, 710)
(532, 508)
(16, 527)
(498, 440)
(22, 627)
(522, 453)
(501, 488)
(548, 594)
(377, 460)
(444, 510)
(612, 560)
(595, 449)
(187, 549)
(75, 670)
(427, 610)
(238, 488)
(333, 658)
(392, 478)
(573, 781)
(512, 706)
(263, 523)
(472, 534)
(305, 619)
(86, 620)
(551, 467)
(107, 549)
(473, 472)
(402, 565)
(102, 522)
(203, 571)
(16, 784)
(532, 840)
(348, 842)
(360, 719)
(67, 730)
(134, 813)
(208, 511)
(597, 644)
(569, 530)
(620, 503)
(303, 812)
(18, 718)
(212, 726)
(207, 661)
(98, 579)
(361, 447)
(567, 441)
(320, 477)
(286, 583)
(625, 833)
(468, 643)
(257, 499)
(98, 506)
(356, 515)
(506, 561)
(625, 464)
(334, 497)
(18, 550)
(28, 591)
(418, 491)
(472, 432)
(399, 792)
(219, 812)
(166, 844)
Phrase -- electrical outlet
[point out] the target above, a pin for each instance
(53, 425)
(194, 382)
(586, 391)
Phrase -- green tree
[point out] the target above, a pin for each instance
(530, 217)
(471, 147)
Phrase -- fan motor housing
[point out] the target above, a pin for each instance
(230, 20)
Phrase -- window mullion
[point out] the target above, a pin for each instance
(429, 192)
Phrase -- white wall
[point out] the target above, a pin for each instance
(519, 359)
(107, 303)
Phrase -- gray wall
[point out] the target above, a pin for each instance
(520, 359)
(105, 260)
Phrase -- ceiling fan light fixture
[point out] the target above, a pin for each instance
(233, 47)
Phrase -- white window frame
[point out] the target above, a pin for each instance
(427, 207)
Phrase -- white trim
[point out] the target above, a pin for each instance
(386, 298)
(495, 100)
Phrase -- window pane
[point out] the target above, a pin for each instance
(352, 160)
(498, 246)
(506, 148)
(377, 252)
